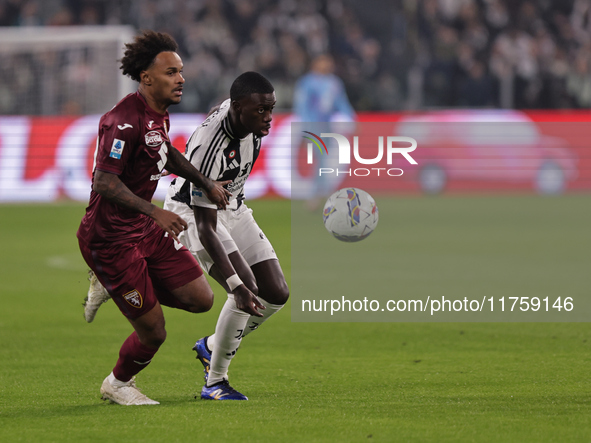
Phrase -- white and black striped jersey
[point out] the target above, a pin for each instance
(219, 155)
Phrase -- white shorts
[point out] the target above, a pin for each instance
(237, 230)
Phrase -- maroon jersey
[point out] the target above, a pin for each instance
(133, 144)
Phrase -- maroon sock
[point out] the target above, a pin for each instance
(133, 357)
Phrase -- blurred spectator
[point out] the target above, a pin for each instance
(320, 95)
(581, 20)
(514, 56)
(496, 16)
(440, 75)
(478, 88)
(579, 82)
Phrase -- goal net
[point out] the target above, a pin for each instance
(62, 70)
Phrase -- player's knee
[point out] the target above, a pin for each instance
(282, 294)
(278, 294)
(200, 296)
(154, 338)
(160, 338)
(206, 304)
(203, 303)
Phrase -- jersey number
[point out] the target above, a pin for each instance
(163, 156)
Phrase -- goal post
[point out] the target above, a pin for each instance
(62, 70)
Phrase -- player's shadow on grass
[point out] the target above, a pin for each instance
(41, 411)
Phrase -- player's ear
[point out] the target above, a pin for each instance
(236, 106)
(145, 78)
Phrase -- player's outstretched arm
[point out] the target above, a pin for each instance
(206, 220)
(179, 165)
(113, 189)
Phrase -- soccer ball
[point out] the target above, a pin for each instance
(350, 214)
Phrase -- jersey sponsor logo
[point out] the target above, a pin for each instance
(134, 298)
(150, 124)
(124, 126)
(237, 184)
(197, 193)
(117, 148)
(155, 177)
(153, 139)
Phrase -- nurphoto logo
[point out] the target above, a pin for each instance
(394, 145)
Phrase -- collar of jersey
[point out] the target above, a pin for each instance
(227, 127)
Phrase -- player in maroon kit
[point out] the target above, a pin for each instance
(129, 243)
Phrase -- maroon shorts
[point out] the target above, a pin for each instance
(131, 271)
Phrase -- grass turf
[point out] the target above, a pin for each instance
(306, 381)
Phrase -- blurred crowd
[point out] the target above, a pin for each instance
(391, 55)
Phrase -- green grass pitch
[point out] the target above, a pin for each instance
(306, 382)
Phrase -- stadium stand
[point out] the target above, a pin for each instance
(400, 55)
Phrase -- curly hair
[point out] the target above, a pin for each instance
(250, 83)
(140, 54)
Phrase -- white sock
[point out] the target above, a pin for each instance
(253, 322)
(228, 331)
(115, 382)
(210, 342)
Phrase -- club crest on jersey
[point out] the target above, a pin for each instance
(153, 139)
(117, 148)
(134, 298)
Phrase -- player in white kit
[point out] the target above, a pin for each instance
(228, 243)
